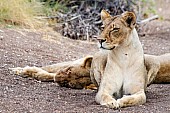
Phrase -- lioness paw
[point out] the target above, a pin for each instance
(120, 102)
(111, 104)
(16, 71)
(19, 71)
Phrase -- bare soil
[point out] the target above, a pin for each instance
(19, 48)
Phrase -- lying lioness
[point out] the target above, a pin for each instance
(120, 70)
(72, 74)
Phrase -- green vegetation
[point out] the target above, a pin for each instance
(52, 6)
(19, 12)
(23, 12)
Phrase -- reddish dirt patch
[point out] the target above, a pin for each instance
(21, 48)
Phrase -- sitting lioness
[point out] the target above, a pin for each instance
(123, 79)
(120, 70)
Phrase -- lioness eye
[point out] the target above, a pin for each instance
(116, 29)
(102, 27)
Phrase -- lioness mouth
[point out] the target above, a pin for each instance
(107, 48)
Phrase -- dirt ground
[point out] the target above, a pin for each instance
(19, 48)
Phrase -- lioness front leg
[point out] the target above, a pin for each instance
(131, 100)
(105, 98)
(34, 72)
(107, 88)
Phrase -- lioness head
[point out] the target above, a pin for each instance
(116, 29)
(75, 76)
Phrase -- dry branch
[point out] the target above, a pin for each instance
(148, 19)
(83, 19)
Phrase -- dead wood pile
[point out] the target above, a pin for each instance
(83, 19)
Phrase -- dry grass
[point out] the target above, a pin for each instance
(20, 12)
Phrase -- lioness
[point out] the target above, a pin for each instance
(124, 79)
(72, 74)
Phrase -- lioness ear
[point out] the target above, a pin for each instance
(130, 19)
(104, 15)
(87, 62)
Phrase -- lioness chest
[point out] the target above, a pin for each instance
(126, 70)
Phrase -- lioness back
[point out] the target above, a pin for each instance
(163, 75)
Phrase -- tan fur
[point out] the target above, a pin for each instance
(158, 68)
(123, 78)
